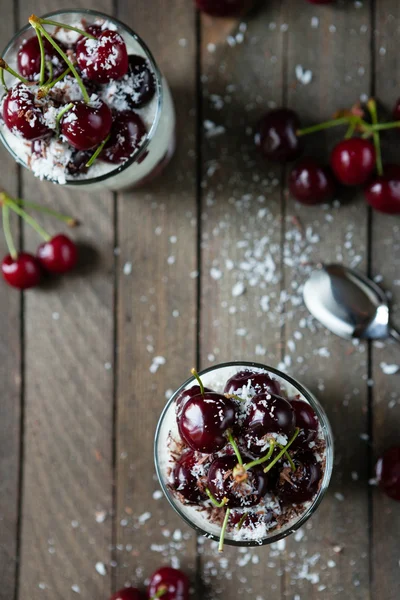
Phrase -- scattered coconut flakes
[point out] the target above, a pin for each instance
(389, 369)
(157, 495)
(127, 268)
(238, 289)
(158, 361)
(101, 516)
(75, 588)
(101, 569)
(144, 517)
(339, 496)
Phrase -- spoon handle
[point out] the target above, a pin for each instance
(394, 334)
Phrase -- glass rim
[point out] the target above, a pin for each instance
(329, 451)
(159, 85)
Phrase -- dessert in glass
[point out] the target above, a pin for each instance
(244, 453)
(85, 103)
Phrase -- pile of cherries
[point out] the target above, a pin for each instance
(98, 59)
(241, 436)
(355, 161)
(233, 8)
(166, 583)
(56, 255)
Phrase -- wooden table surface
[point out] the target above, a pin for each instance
(202, 267)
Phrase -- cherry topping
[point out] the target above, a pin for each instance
(277, 135)
(58, 255)
(252, 519)
(307, 420)
(388, 472)
(187, 394)
(204, 420)
(85, 126)
(127, 132)
(353, 161)
(173, 580)
(141, 80)
(185, 483)
(270, 413)
(222, 483)
(29, 59)
(300, 485)
(129, 593)
(103, 59)
(224, 8)
(78, 162)
(383, 192)
(261, 382)
(24, 272)
(21, 115)
(310, 183)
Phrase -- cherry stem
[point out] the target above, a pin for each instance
(283, 451)
(7, 232)
(44, 90)
(350, 131)
(69, 27)
(4, 65)
(235, 447)
(96, 154)
(235, 397)
(3, 81)
(326, 125)
(197, 376)
(49, 65)
(371, 105)
(260, 461)
(36, 24)
(160, 592)
(242, 520)
(288, 458)
(70, 221)
(42, 57)
(215, 501)
(24, 215)
(223, 531)
(383, 126)
(62, 113)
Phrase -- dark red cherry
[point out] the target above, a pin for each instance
(270, 413)
(300, 485)
(21, 116)
(103, 59)
(187, 394)
(173, 580)
(383, 191)
(251, 520)
(224, 8)
(388, 472)
(204, 420)
(94, 29)
(277, 135)
(307, 421)
(260, 382)
(78, 162)
(24, 272)
(58, 255)
(85, 126)
(128, 593)
(185, 483)
(127, 132)
(310, 183)
(353, 161)
(140, 82)
(29, 59)
(222, 483)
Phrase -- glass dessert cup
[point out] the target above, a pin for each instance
(215, 378)
(156, 148)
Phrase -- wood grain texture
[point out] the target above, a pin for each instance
(242, 76)
(157, 237)
(10, 370)
(385, 264)
(334, 45)
(69, 401)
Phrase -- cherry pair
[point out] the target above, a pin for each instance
(166, 583)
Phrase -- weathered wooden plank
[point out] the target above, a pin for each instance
(333, 42)
(69, 402)
(10, 360)
(242, 74)
(385, 264)
(157, 237)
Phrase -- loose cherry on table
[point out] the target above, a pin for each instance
(353, 161)
(22, 272)
(58, 255)
(85, 126)
(276, 136)
(302, 484)
(104, 58)
(224, 8)
(29, 58)
(184, 482)
(261, 382)
(127, 132)
(22, 116)
(310, 183)
(129, 593)
(388, 472)
(383, 191)
(169, 584)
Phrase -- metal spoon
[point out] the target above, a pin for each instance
(348, 303)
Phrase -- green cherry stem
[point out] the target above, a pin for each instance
(283, 451)
(69, 27)
(42, 57)
(96, 154)
(242, 520)
(321, 126)
(49, 66)
(24, 215)
(44, 90)
(4, 65)
(62, 113)
(288, 458)
(197, 376)
(215, 501)
(383, 126)
(7, 232)
(35, 22)
(260, 461)
(3, 81)
(70, 221)
(162, 590)
(234, 446)
(371, 105)
(223, 531)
